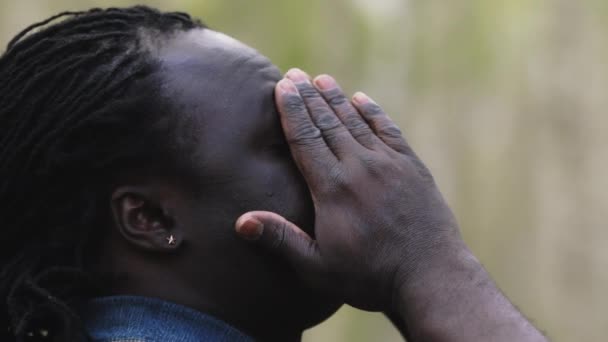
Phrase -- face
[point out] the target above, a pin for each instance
(222, 90)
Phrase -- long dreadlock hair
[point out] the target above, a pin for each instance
(73, 111)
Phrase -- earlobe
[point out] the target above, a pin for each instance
(143, 220)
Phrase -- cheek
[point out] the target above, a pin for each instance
(286, 194)
(281, 189)
(260, 181)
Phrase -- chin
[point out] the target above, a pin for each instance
(283, 310)
(300, 306)
(289, 317)
(321, 315)
(312, 309)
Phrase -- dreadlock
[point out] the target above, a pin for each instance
(73, 111)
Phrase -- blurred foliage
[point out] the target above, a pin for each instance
(505, 101)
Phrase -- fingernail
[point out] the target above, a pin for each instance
(249, 228)
(361, 98)
(325, 82)
(287, 87)
(297, 75)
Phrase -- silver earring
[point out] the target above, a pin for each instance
(171, 240)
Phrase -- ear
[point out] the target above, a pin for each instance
(143, 218)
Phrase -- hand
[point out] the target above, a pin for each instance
(380, 219)
(384, 237)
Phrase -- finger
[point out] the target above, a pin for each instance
(275, 233)
(334, 133)
(311, 153)
(334, 96)
(381, 123)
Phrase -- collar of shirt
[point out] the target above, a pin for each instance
(144, 319)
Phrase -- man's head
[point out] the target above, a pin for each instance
(124, 129)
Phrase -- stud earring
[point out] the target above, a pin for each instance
(171, 240)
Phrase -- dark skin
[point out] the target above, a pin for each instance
(385, 239)
(371, 229)
(223, 92)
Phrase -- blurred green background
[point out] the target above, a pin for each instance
(506, 101)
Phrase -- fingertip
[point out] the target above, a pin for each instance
(361, 99)
(249, 227)
(325, 82)
(286, 86)
(297, 75)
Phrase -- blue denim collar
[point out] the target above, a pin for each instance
(144, 319)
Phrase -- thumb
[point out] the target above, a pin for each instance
(281, 236)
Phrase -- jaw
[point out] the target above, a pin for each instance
(288, 325)
(283, 309)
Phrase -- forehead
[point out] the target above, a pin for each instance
(213, 69)
(220, 85)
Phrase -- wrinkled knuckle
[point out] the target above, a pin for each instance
(293, 104)
(373, 109)
(336, 181)
(354, 122)
(357, 127)
(339, 179)
(391, 131)
(335, 138)
(328, 122)
(304, 134)
(361, 133)
(374, 166)
(278, 240)
(318, 108)
(333, 132)
(335, 97)
(307, 91)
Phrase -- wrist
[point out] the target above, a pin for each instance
(426, 299)
(432, 270)
(454, 299)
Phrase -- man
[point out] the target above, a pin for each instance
(132, 140)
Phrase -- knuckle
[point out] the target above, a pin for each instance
(328, 122)
(363, 133)
(334, 182)
(374, 166)
(352, 121)
(357, 126)
(337, 178)
(335, 97)
(307, 91)
(304, 134)
(318, 108)
(333, 130)
(293, 104)
(335, 138)
(278, 239)
(390, 131)
(373, 109)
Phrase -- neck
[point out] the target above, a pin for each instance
(258, 326)
(249, 315)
